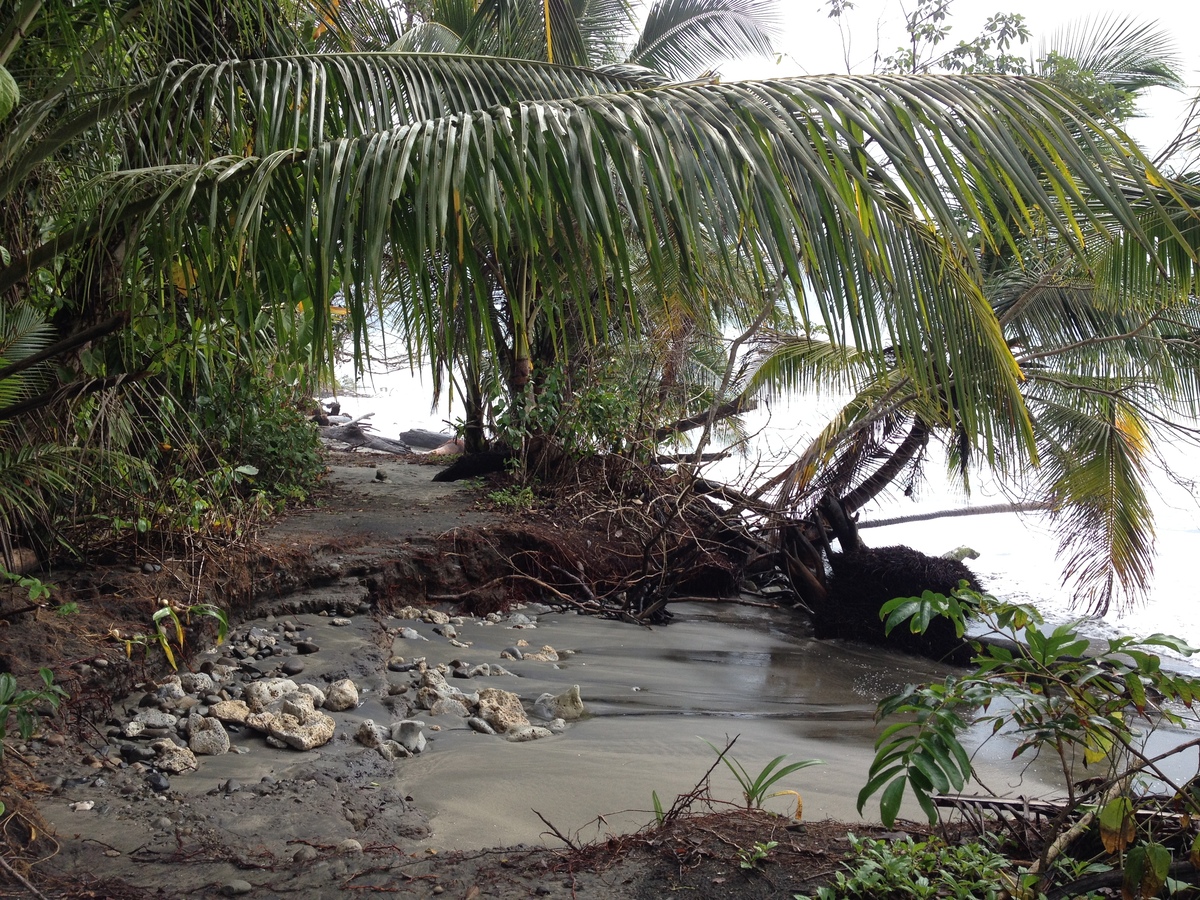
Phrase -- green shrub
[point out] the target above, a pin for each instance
(880, 870)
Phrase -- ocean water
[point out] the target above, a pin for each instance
(1018, 557)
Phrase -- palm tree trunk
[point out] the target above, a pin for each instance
(917, 438)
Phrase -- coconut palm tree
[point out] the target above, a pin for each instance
(1108, 356)
(255, 179)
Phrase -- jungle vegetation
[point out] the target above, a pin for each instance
(201, 203)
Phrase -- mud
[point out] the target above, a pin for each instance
(273, 823)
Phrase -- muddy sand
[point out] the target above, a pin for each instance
(573, 809)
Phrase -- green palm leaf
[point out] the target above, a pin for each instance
(684, 38)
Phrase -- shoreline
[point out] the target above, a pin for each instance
(731, 668)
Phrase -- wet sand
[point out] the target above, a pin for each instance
(653, 695)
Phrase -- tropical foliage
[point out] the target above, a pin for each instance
(187, 189)
(1052, 692)
(1104, 344)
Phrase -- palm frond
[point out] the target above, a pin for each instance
(685, 38)
(796, 364)
(1094, 470)
(1121, 52)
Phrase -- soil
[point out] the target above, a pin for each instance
(381, 535)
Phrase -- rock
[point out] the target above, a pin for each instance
(501, 709)
(173, 758)
(304, 854)
(435, 617)
(408, 612)
(449, 706)
(546, 654)
(567, 705)
(512, 653)
(298, 705)
(318, 695)
(207, 736)
(527, 733)
(132, 753)
(155, 718)
(258, 695)
(305, 647)
(315, 730)
(370, 734)
(960, 553)
(428, 696)
(391, 751)
(477, 724)
(293, 666)
(447, 631)
(236, 887)
(196, 683)
(411, 634)
(133, 729)
(483, 669)
(349, 847)
(170, 692)
(397, 664)
(341, 621)
(157, 782)
(341, 695)
(519, 620)
(556, 726)
(235, 711)
(408, 734)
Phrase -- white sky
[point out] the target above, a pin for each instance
(813, 44)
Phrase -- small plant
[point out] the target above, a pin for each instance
(167, 619)
(879, 870)
(513, 497)
(19, 705)
(750, 857)
(37, 590)
(1052, 691)
(755, 788)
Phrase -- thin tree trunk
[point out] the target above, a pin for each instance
(916, 439)
(1031, 506)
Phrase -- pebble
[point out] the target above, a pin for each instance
(293, 667)
(349, 847)
(512, 653)
(158, 782)
(304, 854)
(306, 647)
(341, 622)
(236, 887)
(411, 634)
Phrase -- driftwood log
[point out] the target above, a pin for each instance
(425, 440)
(357, 434)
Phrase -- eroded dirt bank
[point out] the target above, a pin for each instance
(269, 821)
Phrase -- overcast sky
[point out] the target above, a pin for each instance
(812, 43)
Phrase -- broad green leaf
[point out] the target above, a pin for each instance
(1117, 829)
